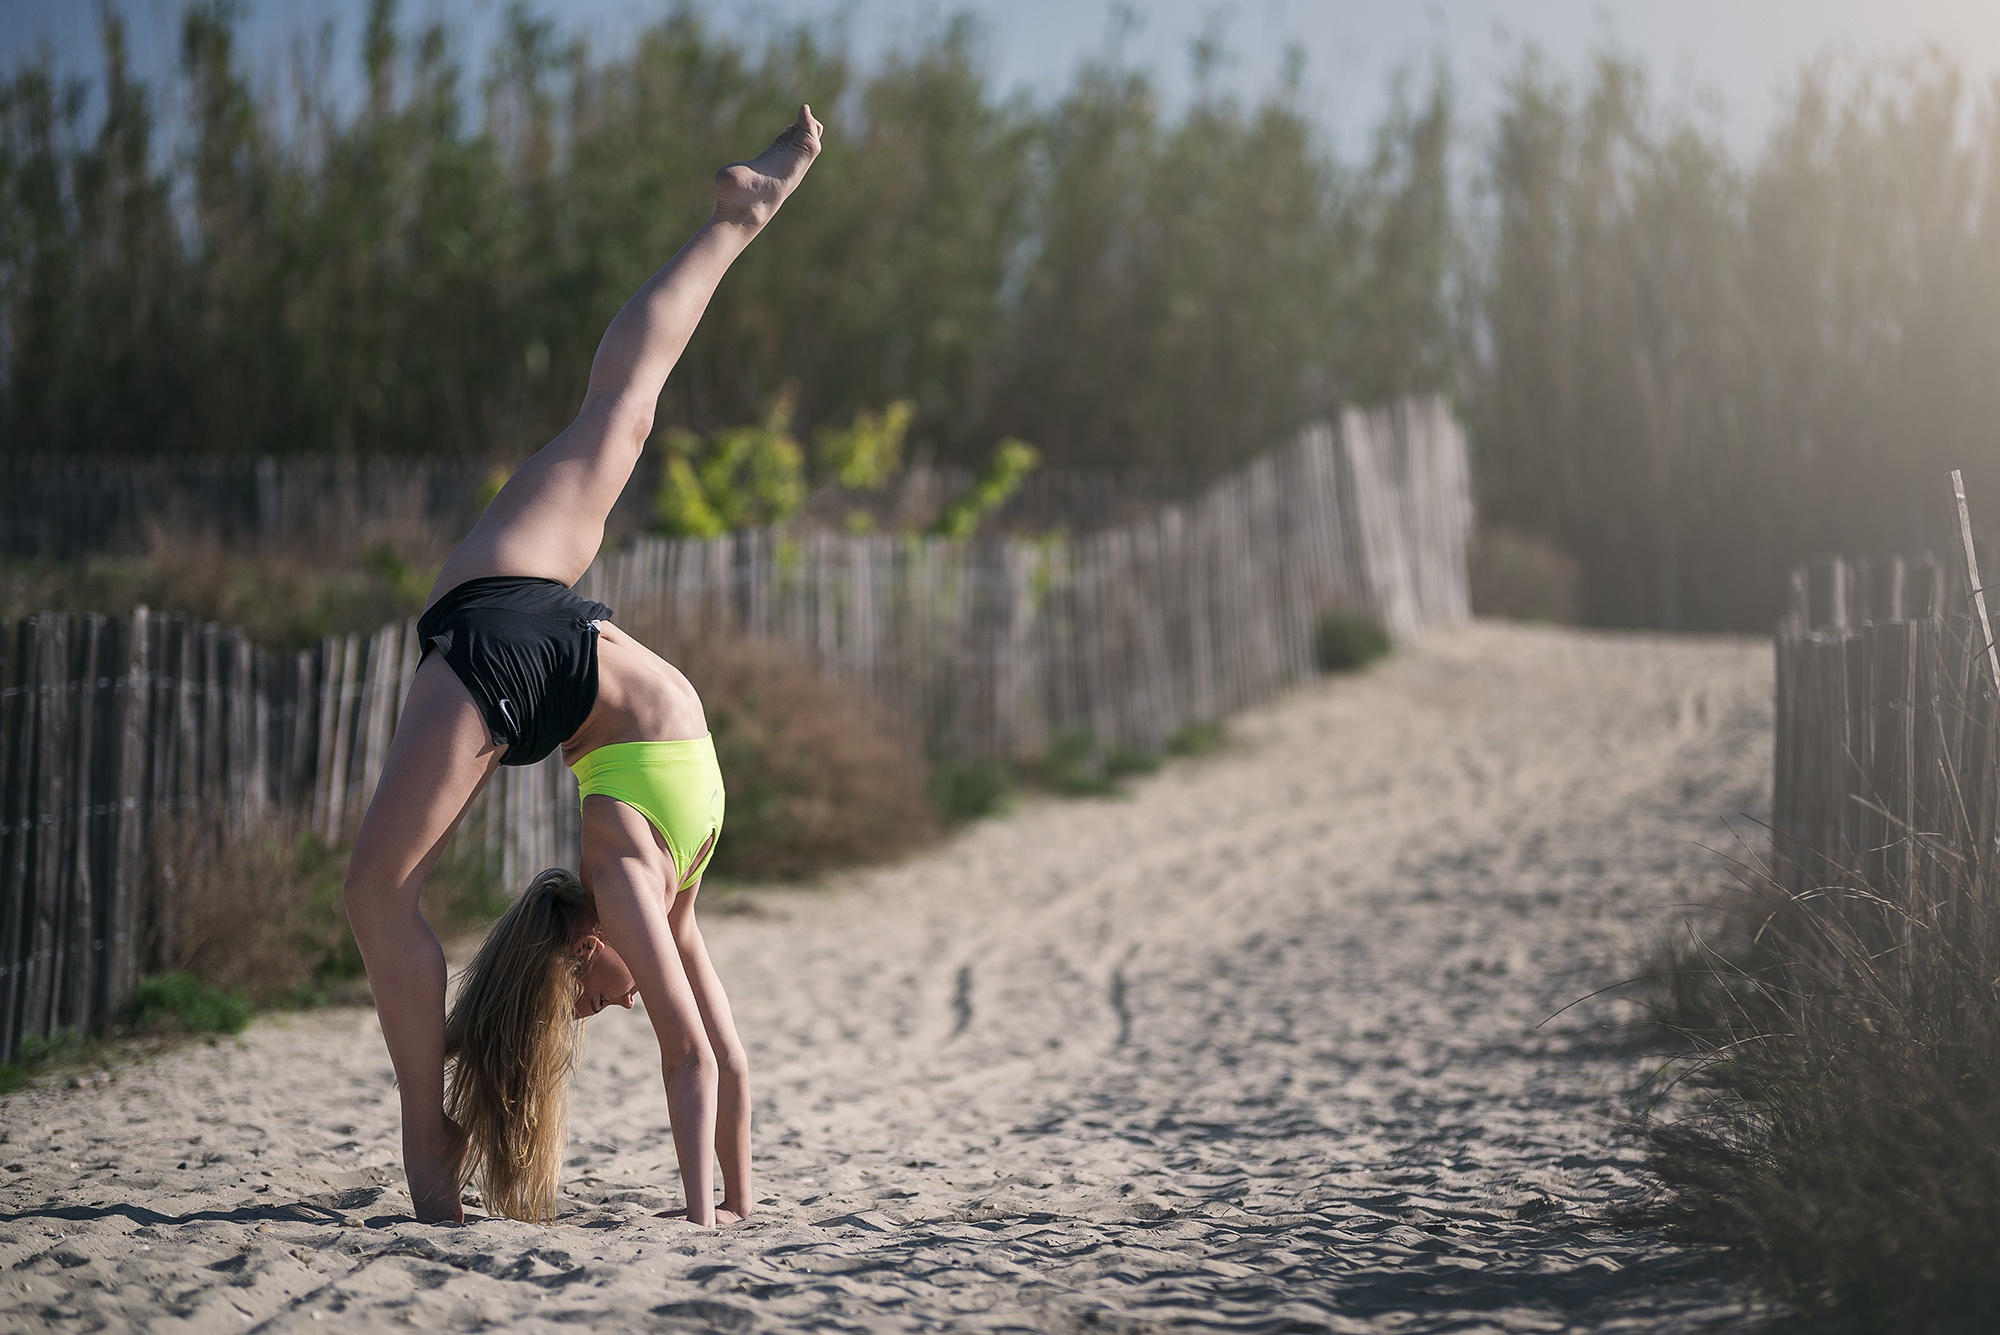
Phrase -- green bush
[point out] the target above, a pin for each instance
(1345, 642)
(970, 792)
(1073, 765)
(1078, 765)
(1198, 739)
(1012, 461)
(1121, 764)
(744, 477)
(194, 1005)
(865, 454)
(36, 1050)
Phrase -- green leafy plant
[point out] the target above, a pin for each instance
(966, 793)
(1012, 461)
(1197, 739)
(743, 477)
(1346, 642)
(35, 1051)
(866, 453)
(1122, 764)
(197, 1006)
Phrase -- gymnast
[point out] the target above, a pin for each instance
(514, 665)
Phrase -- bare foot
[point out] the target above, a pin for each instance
(435, 1179)
(748, 193)
(722, 1216)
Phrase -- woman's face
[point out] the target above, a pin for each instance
(606, 980)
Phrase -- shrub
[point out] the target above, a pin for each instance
(1012, 461)
(191, 1003)
(1122, 764)
(1346, 641)
(744, 477)
(970, 792)
(818, 777)
(34, 1051)
(1522, 577)
(1078, 765)
(257, 913)
(1073, 765)
(1198, 739)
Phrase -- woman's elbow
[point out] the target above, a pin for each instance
(690, 1060)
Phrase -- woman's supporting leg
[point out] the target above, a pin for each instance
(440, 756)
(549, 518)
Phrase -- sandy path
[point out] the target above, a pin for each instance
(1252, 1048)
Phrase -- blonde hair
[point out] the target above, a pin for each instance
(510, 1044)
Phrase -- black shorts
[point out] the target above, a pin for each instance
(527, 650)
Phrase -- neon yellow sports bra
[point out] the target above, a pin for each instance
(675, 785)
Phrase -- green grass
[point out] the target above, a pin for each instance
(1074, 766)
(1078, 765)
(1836, 1114)
(1119, 764)
(37, 1052)
(966, 793)
(1198, 739)
(1345, 642)
(185, 1001)
(163, 1008)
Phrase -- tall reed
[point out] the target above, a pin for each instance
(1835, 1094)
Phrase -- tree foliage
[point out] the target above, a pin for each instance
(1686, 367)
(1700, 370)
(430, 271)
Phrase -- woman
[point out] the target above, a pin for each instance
(514, 664)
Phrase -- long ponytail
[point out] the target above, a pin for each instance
(510, 1043)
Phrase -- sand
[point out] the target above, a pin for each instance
(1263, 1045)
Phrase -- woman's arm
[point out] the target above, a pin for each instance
(732, 1110)
(628, 875)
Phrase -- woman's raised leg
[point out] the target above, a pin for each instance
(547, 521)
(549, 518)
(439, 758)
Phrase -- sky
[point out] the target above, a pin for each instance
(1727, 60)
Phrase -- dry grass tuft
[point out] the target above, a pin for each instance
(258, 913)
(1522, 577)
(1843, 1056)
(818, 777)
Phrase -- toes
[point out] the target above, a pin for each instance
(805, 129)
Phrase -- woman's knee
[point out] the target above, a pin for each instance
(372, 891)
(733, 1060)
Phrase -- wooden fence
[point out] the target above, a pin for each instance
(63, 509)
(1887, 766)
(111, 725)
(68, 508)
